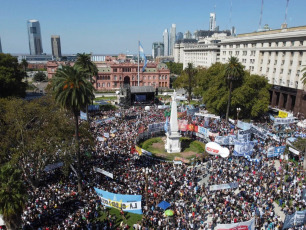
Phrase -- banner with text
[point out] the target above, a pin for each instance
(284, 121)
(223, 186)
(243, 125)
(275, 151)
(225, 140)
(247, 225)
(243, 148)
(128, 203)
(103, 172)
(295, 220)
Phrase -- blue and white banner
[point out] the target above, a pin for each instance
(191, 112)
(225, 140)
(83, 116)
(251, 159)
(244, 137)
(243, 148)
(128, 203)
(156, 127)
(284, 121)
(295, 220)
(223, 186)
(203, 131)
(275, 151)
(243, 125)
(141, 53)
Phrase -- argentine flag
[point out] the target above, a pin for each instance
(141, 53)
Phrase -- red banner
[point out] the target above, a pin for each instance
(190, 127)
(183, 125)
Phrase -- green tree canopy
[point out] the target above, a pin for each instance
(251, 93)
(187, 80)
(36, 133)
(11, 77)
(13, 196)
(40, 76)
(175, 68)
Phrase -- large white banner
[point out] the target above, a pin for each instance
(223, 186)
(284, 121)
(247, 225)
(103, 172)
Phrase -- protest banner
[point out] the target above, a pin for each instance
(51, 167)
(128, 203)
(247, 225)
(284, 121)
(282, 114)
(177, 163)
(182, 124)
(223, 186)
(296, 152)
(243, 148)
(243, 125)
(203, 131)
(275, 151)
(83, 116)
(139, 150)
(103, 172)
(156, 127)
(225, 140)
(295, 220)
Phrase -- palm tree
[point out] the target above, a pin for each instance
(233, 72)
(304, 76)
(191, 72)
(12, 196)
(73, 91)
(24, 65)
(86, 65)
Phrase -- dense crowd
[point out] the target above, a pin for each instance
(56, 204)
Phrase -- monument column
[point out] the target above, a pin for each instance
(173, 144)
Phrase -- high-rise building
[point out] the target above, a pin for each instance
(172, 39)
(179, 36)
(0, 46)
(212, 22)
(187, 35)
(157, 49)
(35, 43)
(56, 46)
(166, 42)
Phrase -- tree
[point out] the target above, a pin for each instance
(251, 94)
(88, 67)
(187, 80)
(175, 68)
(73, 91)
(40, 76)
(233, 72)
(11, 77)
(304, 76)
(34, 134)
(12, 196)
(24, 64)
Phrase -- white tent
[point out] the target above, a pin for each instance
(1, 221)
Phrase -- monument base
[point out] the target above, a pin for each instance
(173, 144)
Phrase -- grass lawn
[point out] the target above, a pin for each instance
(190, 148)
(130, 218)
(110, 98)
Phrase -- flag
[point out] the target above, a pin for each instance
(142, 54)
(166, 125)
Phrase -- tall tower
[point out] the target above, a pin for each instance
(0, 46)
(212, 22)
(35, 44)
(166, 42)
(172, 39)
(56, 46)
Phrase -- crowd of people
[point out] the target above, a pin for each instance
(56, 203)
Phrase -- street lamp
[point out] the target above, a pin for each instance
(146, 171)
(238, 111)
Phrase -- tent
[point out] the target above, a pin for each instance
(164, 205)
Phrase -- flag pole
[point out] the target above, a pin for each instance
(138, 62)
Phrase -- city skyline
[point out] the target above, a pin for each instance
(115, 27)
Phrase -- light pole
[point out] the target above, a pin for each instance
(146, 171)
(238, 111)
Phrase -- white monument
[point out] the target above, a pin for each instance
(173, 144)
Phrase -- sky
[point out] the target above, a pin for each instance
(115, 26)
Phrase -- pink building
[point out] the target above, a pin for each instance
(113, 76)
